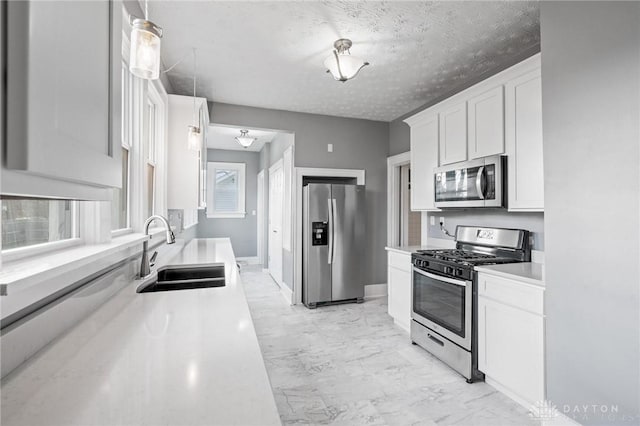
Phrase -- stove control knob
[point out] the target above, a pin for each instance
(448, 270)
(459, 272)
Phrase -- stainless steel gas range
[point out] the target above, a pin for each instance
(444, 292)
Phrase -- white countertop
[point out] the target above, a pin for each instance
(532, 273)
(177, 357)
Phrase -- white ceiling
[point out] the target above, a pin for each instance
(222, 137)
(270, 54)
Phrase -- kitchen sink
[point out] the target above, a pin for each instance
(186, 277)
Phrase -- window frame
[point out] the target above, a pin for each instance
(127, 134)
(9, 255)
(241, 168)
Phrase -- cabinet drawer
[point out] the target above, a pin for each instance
(511, 292)
(400, 261)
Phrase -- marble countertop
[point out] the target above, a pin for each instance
(178, 357)
(531, 273)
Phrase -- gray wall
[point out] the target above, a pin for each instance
(242, 232)
(533, 222)
(591, 116)
(358, 144)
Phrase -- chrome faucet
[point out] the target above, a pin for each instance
(145, 267)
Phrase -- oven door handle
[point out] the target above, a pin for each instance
(441, 278)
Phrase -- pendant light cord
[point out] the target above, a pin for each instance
(146, 10)
(194, 86)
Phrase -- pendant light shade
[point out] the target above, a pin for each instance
(144, 59)
(341, 64)
(244, 139)
(194, 137)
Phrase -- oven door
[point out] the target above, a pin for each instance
(444, 305)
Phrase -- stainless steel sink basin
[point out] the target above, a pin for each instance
(186, 277)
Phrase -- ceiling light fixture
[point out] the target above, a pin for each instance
(193, 132)
(144, 56)
(244, 139)
(341, 64)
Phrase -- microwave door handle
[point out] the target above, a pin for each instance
(479, 186)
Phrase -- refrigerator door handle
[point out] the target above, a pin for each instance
(330, 232)
(334, 214)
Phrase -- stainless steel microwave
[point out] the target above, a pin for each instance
(475, 183)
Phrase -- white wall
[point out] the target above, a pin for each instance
(591, 119)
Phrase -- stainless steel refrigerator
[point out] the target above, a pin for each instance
(333, 232)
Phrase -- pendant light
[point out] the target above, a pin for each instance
(194, 135)
(341, 64)
(144, 56)
(244, 139)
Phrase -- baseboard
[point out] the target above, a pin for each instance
(249, 260)
(372, 291)
(287, 294)
(543, 410)
(403, 326)
(506, 391)
(265, 270)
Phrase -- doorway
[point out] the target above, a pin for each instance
(260, 218)
(276, 198)
(410, 223)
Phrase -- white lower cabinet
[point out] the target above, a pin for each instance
(511, 337)
(399, 288)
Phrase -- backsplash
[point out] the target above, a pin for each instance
(497, 218)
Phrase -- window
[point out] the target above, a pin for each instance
(31, 222)
(150, 165)
(154, 151)
(226, 190)
(120, 204)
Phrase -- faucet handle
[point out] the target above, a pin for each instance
(152, 261)
(172, 237)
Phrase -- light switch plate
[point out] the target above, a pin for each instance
(329, 147)
(433, 220)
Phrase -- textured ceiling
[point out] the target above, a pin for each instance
(222, 137)
(270, 53)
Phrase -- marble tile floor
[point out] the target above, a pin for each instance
(350, 365)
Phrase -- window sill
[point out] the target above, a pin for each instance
(21, 274)
(240, 215)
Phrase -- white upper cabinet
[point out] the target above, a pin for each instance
(500, 115)
(486, 123)
(63, 96)
(525, 167)
(453, 133)
(185, 183)
(424, 158)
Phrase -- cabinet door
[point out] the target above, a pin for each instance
(486, 123)
(400, 296)
(183, 164)
(453, 134)
(525, 169)
(511, 348)
(63, 90)
(424, 158)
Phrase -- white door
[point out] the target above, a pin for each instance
(260, 218)
(276, 187)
